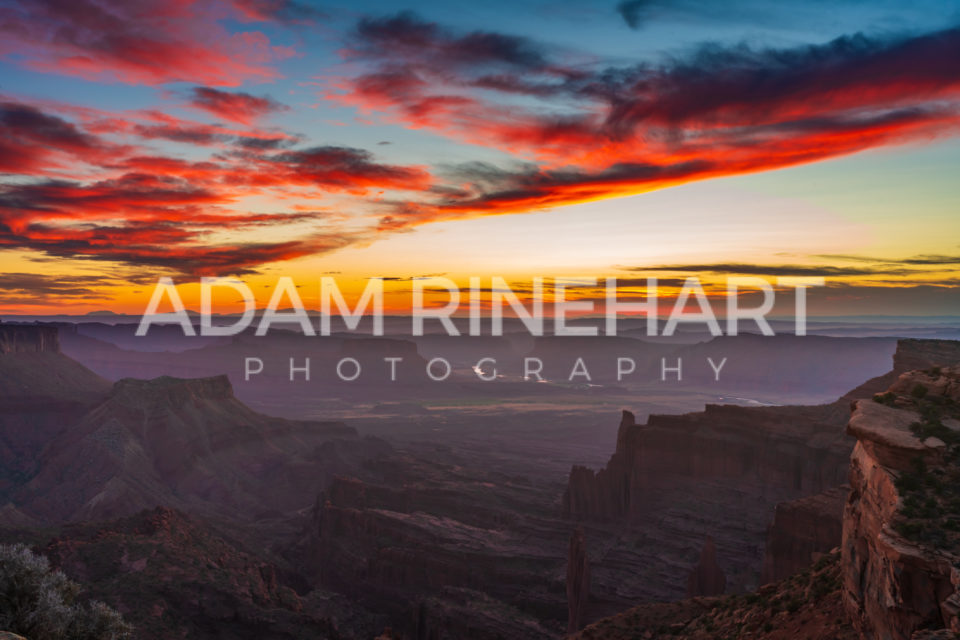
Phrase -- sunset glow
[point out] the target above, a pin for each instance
(255, 139)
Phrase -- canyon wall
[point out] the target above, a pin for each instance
(425, 547)
(801, 531)
(722, 473)
(28, 339)
(718, 473)
(42, 393)
(188, 444)
(899, 565)
(778, 453)
(578, 581)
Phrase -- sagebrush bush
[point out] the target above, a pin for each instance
(41, 604)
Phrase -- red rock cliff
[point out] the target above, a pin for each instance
(707, 577)
(28, 339)
(895, 585)
(802, 530)
(722, 472)
(578, 581)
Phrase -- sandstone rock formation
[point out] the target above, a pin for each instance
(42, 392)
(806, 606)
(802, 530)
(707, 579)
(911, 355)
(673, 478)
(678, 476)
(28, 339)
(34, 372)
(578, 581)
(781, 452)
(424, 546)
(900, 563)
(189, 444)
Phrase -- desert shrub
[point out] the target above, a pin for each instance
(41, 604)
(888, 398)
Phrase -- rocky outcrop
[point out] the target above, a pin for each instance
(578, 581)
(15, 338)
(781, 452)
(175, 391)
(34, 373)
(174, 576)
(911, 355)
(915, 355)
(806, 606)
(723, 470)
(189, 444)
(801, 531)
(707, 577)
(896, 583)
(604, 493)
(42, 393)
(418, 546)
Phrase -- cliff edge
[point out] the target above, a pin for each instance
(901, 523)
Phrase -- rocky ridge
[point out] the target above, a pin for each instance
(675, 480)
(896, 574)
(806, 606)
(173, 576)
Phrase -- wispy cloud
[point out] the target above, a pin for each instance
(927, 260)
(721, 110)
(163, 211)
(237, 106)
(770, 269)
(143, 41)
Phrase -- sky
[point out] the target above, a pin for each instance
(648, 138)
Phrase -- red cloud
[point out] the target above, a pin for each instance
(238, 107)
(631, 129)
(138, 41)
(157, 210)
(148, 221)
(34, 141)
(620, 131)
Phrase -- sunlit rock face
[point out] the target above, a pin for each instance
(900, 562)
